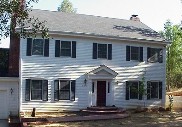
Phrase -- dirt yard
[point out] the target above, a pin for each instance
(164, 119)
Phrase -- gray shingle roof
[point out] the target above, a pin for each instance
(95, 25)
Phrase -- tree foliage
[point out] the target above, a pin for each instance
(174, 54)
(66, 6)
(15, 14)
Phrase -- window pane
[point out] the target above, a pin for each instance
(64, 93)
(36, 90)
(133, 90)
(37, 47)
(102, 51)
(65, 48)
(154, 55)
(154, 89)
(134, 53)
(93, 87)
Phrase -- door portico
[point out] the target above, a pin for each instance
(102, 81)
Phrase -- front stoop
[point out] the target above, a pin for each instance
(103, 110)
(38, 121)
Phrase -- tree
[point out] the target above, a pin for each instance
(66, 6)
(15, 13)
(174, 54)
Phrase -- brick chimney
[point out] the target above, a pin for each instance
(134, 18)
(14, 51)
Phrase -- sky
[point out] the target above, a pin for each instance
(153, 13)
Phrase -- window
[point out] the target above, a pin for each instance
(65, 48)
(64, 90)
(154, 90)
(154, 55)
(38, 47)
(132, 90)
(36, 90)
(134, 53)
(103, 51)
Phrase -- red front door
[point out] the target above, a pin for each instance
(101, 93)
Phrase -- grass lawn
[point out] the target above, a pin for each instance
(164, 119)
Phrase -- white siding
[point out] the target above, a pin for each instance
(11, 99)
(52, 68)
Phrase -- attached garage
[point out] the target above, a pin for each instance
(9, 97)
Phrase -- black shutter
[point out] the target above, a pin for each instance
(141, 54)
(46, 48)
(140, 91)
(148, 89)
(73, 49)
(45, 90)
(73, 90)
(160, 90)
(56, 90)
(29, 46)
(160, 56)
(109, 51)
(94, 51)
(127, 53)
(27, 90)
(127, 90)
(148, 53)
(57, 48)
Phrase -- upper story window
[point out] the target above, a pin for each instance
(154, 90)
(134, 53)
(154, 55)
(64, 90)
(65, 48)
(36, 90)
(38, 47)
(103, 51)
(132, 90)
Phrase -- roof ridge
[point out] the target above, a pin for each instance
(85, 15)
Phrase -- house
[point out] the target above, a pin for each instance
(90, 61)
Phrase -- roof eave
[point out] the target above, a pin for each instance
(92, 35)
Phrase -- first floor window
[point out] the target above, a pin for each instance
(154, 90)
(64, 90)
(132, 90)
(36, 90)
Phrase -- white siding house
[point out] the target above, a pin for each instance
(91, 61)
